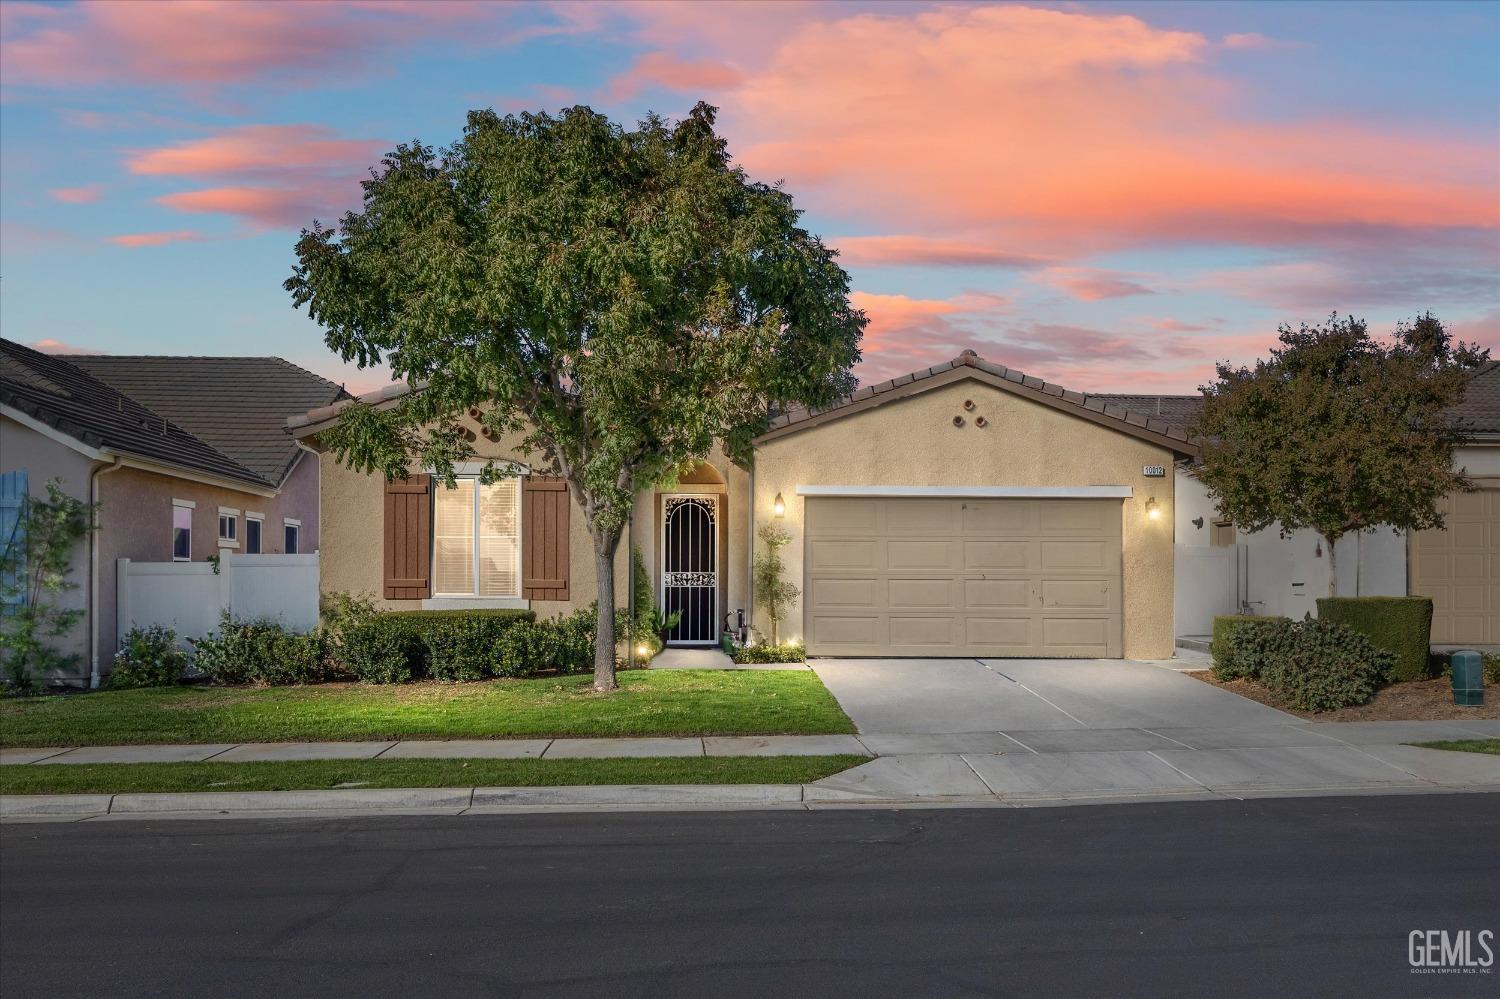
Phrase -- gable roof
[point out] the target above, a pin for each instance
(236, 405)
(969, 365)
(68, 399)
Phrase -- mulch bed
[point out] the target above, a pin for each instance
(1416, 700)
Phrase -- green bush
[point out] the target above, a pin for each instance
(791, 652)
(260, 651)
(148, 657)
(1311, 665)
(1225, 625)
(1402, 625)
(378, 651)
(458, 645)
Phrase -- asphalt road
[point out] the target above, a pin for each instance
(1273, 897)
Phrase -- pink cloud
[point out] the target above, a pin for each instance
(1483, 329)
(85, 195)
(50, 346)
(1091, 285)
(258, 149)
(270, 207)
(879, 251)
(1177, 326)
(199, 42)
(1417, 283)
(666, 71)
(1256, 41)
(139, 239)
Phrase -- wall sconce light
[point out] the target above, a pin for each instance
(1198, 523)
(1153, 509)
(778, 506)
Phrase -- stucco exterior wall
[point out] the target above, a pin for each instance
(45, 459)
(135, 518)
(913, 441)
(353, 539)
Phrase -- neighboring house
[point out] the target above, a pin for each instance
(1220, 568)
(187, 456)
(962, 510)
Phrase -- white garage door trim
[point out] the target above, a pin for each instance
(959, 492)
(960, 576)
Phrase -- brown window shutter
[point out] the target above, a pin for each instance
(408, 538)
(545, 505)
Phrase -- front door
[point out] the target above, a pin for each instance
(690, 567)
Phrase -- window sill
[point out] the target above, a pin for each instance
(476, 603)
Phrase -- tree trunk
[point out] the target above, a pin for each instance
(605, 546)
(1333, 566)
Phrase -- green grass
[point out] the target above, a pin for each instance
(119, 778)
(1490, 746)
(649, 702)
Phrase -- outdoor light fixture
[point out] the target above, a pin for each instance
(778, 506)
(641, 650)
(1153, 509)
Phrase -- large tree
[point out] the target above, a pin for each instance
(623, 300)
(1338, 431)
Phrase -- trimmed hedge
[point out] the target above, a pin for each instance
(262, 651)
(1225, 626)
(457, 645)
(1402, 625)
(1313, 664)
(788, 653)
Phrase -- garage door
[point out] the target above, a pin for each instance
(1459, 568)
(962, 577)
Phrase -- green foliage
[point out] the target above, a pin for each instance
(1225, 625)
(261, 652)
(1311, 665)
(34, 570)
(1402, 625)
(386, 649)
(401, 646)
(771, 591)
(621, 300)
(148, 657)
(649, 624)
(1442, 665)
(788, 653)
(1338, 432)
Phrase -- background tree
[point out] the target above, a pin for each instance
(773, 592)
(1337, 431)
(35, 563)
(622, 299)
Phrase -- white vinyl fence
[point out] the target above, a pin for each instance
(1207, 582)
(188, 597)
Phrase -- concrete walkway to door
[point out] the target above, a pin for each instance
(1027, 730)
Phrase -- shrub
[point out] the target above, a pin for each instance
(260, 651)
(1225, 625)
(148, 657)
(1250, 644)
(401, 646)
(382, 651)
(1402, 625)
(466, 647)
(791, 652)
(1312, 665)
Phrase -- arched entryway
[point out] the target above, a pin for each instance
(692, 548)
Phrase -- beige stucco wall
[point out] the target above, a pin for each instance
(45, 459)
(353, 538)
(913, 442)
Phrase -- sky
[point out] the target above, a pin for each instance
(1111, 196)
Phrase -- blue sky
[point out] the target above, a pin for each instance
(1108, 195)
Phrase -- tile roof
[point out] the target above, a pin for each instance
(1100, 409)
(236, 405)
(1178, 410)
(1480, 410)
(67, 398)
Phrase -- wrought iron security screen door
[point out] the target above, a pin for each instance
(690, 567)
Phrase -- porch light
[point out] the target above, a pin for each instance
(778, 506)
(641, 650)
(1153, 509)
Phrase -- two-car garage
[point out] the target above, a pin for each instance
(963, 576)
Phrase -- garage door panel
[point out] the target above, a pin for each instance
(1459, 568)
(835, 555)
(914, 594)
(1000, 554)
(997, 594)
(1002, 577)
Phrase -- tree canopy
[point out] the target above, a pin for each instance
(624, 300)
(1338, 431)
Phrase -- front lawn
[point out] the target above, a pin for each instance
(649, 702)
(1490, 746)
(321, 775)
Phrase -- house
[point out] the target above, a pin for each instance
(186, 457)
(963, 510)
(1221, 569)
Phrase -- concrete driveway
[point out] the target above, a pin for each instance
(936, 696)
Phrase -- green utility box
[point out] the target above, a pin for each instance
(1468, 679)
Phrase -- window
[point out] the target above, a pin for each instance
(254, 522)
(229, 527)
(1222, 535)
(182, 531)
(290, 529)
(476, 549)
